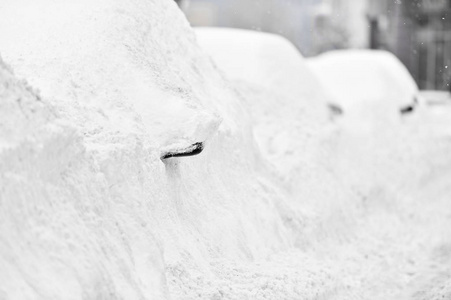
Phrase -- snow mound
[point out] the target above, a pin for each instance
(371, 86)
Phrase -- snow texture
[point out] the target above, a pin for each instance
(281, 204)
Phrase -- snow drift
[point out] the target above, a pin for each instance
(90, 211)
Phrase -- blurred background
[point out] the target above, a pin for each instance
(418, 32)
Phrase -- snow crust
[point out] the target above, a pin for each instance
(281, 204)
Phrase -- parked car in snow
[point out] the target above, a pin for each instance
(265, 60)
(368, 84)
(290, 111)
(435, 97)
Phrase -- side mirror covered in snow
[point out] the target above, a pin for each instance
(194, 149)
(407, 109)
(335, 109)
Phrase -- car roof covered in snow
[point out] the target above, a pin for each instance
(365, 75)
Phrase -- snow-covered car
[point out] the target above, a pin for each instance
(369, 85)
(264, 60)
(435, 97)
(288, 105)
(99, 201)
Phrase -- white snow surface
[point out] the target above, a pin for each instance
(281, 204)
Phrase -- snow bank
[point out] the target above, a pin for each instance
(370, 85)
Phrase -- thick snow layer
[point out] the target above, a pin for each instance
(88, 210)
(369, 85)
